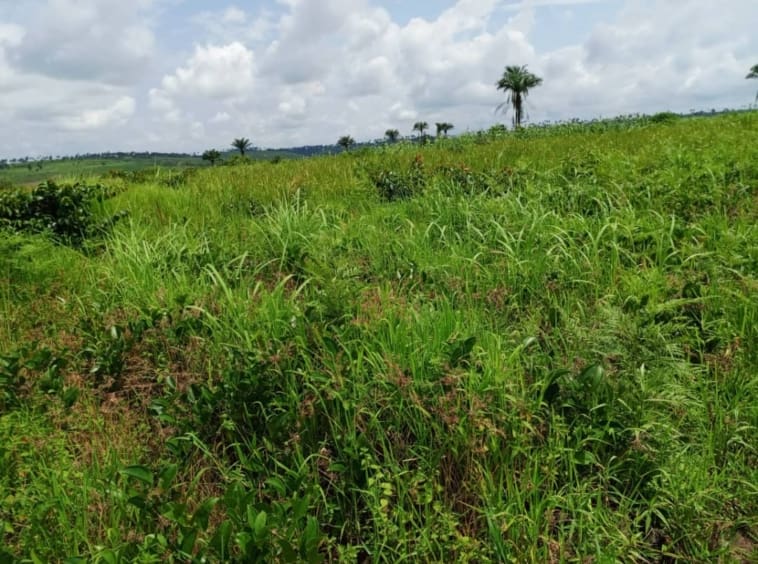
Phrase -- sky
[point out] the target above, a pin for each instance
(82, 76)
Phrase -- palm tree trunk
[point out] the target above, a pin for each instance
(518, 108)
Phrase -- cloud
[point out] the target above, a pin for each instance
(214, 71)
(11, 35)
(117, 113)
(106, 40)
(307, 71)
(234, 24)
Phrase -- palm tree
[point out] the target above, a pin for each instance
(392, 135)
(346, 142)
(211, 155)
(421, 126)
(443, 128)
(753, 74)
(242, 144)
(516, 82)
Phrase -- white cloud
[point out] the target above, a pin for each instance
(116, 114)
(11, 35)
(213, 71)
(108, 40)
(307, 71)
(221, 117)
(234, 24)
(233, 15)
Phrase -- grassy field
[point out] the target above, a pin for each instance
(539, 347)
(89, 167)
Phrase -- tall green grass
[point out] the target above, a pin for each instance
(538, 347)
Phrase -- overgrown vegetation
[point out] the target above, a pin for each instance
(65, 212)
(537, 346)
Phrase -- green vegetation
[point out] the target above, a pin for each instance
(516, 83)
(346, 142)
(443, 128)
(392, 135)
(242, 144)
(421, 127)
(87, 167)
(211, 155)
(527, 346)
(753, 74)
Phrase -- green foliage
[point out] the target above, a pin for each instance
(664, 117)
(392, 184)
(238, 160)
(242, 144)
(526, 346)
(346, 142)
(211, 155)
(64, 211)
(392, 135)
(516, 83)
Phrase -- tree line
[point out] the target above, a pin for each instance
(516, 83)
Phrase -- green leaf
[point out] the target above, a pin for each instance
(203, 513)
(592, 376)
(188, 538)
(259, 527)
(138, 472)
(221, 539)
(167, 475)
(109, 556)
(310, 541)
(461, 351)
(69, 397)
(299, 508)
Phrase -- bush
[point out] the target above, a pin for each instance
(664, 117)
(397, 185)
(63, 211)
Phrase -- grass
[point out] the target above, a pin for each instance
(135, 167)
(85, 167)
(532, 347)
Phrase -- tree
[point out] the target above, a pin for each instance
(211, 155)
(516, 82)
(346, 142)
(443, 128)
(392, 135)
(242, 144)
(753, 74)
(420, 126)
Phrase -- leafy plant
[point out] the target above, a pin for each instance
(64, 211)
(211, 155)
(392, 184)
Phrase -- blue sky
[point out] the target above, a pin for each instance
(187, 75)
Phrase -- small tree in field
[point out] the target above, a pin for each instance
(443, 128)
(346, 142)
(516, 82)
(420, 126)
(392, 135)
(242, 144)
(211, 155)
(753, 74)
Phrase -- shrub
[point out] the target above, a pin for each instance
(395, 184)
(64, 211)
(664, 117)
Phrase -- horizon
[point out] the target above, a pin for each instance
(173, 76)
(369, 142)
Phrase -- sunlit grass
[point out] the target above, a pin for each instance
(533, 347)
